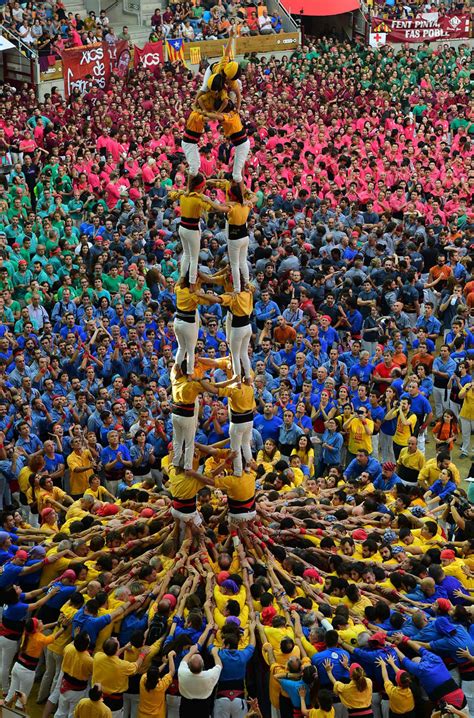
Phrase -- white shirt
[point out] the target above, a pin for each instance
(197, 686)
(264, 22)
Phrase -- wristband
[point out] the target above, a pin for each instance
(46, 562)
(132, 599)
(405, 639)
(302, 531)
(142, 656)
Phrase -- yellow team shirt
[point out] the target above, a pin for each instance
(152, 703)
(241, 304)
(182, 486)
(60, 642)
(92, 709)
(239, 488)
(186, 300)
(196, 122)
(351, 697)
(430, 472)
(79, 480)
(404, 431)
(77, 664)
(241, 399)
(112, 673)
(238, 214)
(358, 438)
(400, 699)
(192, 204)
(184, 391)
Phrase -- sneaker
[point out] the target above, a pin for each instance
(464, 454)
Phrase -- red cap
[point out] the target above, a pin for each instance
(327, 317)
(159, 244)
(108, 510)
(69, 574)
(222, 576)
(312, 573)
(398, 677)
(359, 535)
(47, 512)
(448, 553)
(171, 599)
(379, 638)
(353, 667)
(147, 513)
(268, 615)
(389, 466)
(444, 605)
(22, 554)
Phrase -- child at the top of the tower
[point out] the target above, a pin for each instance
(220, 77)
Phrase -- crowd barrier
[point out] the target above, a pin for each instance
(283, 42)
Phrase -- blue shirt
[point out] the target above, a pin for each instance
(355, 469)
(419, 405)
(442, 490)
(367, 659)
(447, 645)
(108, 454)
(363, 373)
(268, 428)
(234, 663)
(92, 625)
(332, 456)
(430, 671)
(334, 655)
(9, 574)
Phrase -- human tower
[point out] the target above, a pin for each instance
(219, 98)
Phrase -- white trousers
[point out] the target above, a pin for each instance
(191, 241)
(422, 441)
(184, 432)
(225, 708)
(67, 703)
(186, 336)
(193, 158)
(237, 250)
(53, 668)
(172, 706)
(240, 441)
(386, 447)
(467, 427)
(130, 704)
(239, 341)
(22, 680)
(8, 650)
(205, 79)
(468, 690)
(375, 445)
(441, 401)
(241, 152)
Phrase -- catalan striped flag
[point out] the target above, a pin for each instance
(176, 50)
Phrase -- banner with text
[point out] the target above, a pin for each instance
(91, 65)
(428, 26)
(150, 56)
(84, 67)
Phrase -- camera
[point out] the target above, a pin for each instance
(461, 503)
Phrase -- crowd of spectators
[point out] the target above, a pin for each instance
(355, 578)
(47, 28)
(199, 22)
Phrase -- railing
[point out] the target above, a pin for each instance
(133, 7)
(26, 50)
(276, 8)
